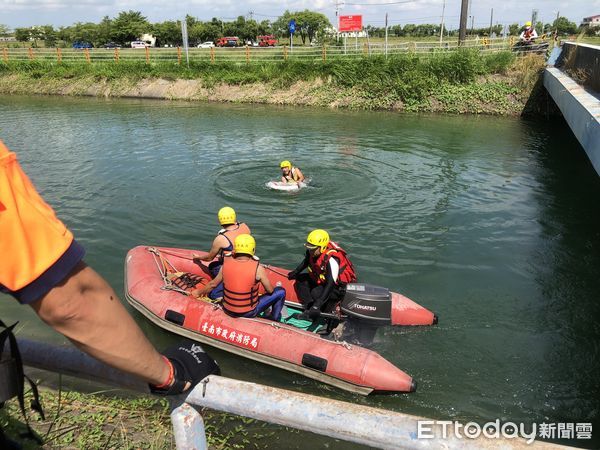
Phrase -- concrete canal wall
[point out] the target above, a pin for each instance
(579, 103)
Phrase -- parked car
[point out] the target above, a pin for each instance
(267, 41)
(230, 41)
(207, 44)
(81, 45)
(111, 45)
(139, 44)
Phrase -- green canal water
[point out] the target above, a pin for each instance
(493, 223)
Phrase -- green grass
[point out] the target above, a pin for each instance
(100, 421)
(406, 77)
(465, 81)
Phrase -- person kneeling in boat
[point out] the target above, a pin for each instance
(290, 174)
(329, 271)
(221, 244)
(241, 274)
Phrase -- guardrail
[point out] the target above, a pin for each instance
(340, 420)
(247, 54)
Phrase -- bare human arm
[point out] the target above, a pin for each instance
(85, 309)
(219, 243)
(300, 175)
(261, 275)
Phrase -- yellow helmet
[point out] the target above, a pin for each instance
(245, 244)
(285, 163)
(317, 238)
(226, 215)
(528, 23)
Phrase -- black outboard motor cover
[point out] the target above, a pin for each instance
(369, 303)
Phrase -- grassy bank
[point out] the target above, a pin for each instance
(458, 82)
(102, 421)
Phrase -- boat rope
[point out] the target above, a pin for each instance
(179, 255)
(175, 280)
(266, 266)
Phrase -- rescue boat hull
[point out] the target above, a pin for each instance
(346, 366)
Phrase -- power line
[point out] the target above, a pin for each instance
(380, 4)
(264, 15)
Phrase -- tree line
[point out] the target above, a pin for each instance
(561, 25)
(130, 25)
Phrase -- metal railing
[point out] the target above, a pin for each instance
(340, 420)
(247, 54)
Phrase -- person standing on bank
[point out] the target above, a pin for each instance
(222, 243)
(41, 265)
(241, 274)
(329, 271)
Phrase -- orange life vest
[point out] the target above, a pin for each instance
(317, 267)
(230, 235)
(31, 236)
(240, 288)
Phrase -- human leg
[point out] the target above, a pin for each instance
(275, 301)
(217, 292)
(303, 287)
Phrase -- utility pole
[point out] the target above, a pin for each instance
(491, 21)
(462, 32)
(472, 23)
(337, 25)
(442, 27)
(386, 35)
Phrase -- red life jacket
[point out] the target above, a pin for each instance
(230, 235)
(240, 288)
(317, 267)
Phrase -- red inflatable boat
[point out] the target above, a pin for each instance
(156, 284)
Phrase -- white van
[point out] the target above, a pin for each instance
(139, 44)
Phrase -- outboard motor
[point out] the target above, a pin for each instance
(372, 304)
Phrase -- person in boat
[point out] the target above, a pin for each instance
(528, 35)
(290, 174)
(241, 275)
(42, 266)
(222, 243)
(329, 271)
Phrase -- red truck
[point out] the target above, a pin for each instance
(267, 41)
(229, 41)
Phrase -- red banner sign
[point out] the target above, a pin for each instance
(350, 23)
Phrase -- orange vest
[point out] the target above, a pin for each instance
(31, 237)
(240, 288)
(230, 235)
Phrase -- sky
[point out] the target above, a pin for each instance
(25, 13)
